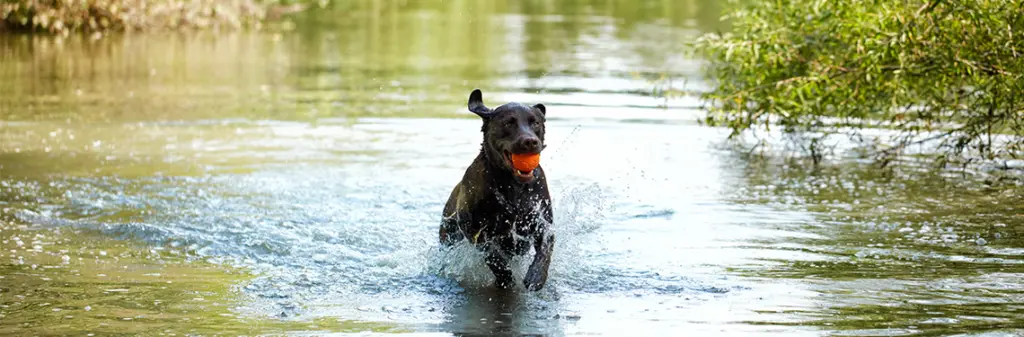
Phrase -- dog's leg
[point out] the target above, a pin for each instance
(449, 232)
(537, 274)
(543, 246)
(500, 267)
(453, 218)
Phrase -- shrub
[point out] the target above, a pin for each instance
(946, 72)
(63, 16)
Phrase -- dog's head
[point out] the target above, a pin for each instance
(510, 128)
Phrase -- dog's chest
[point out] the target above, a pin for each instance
(510, 215)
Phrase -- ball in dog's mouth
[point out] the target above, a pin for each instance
(524, 177)
(523, 165)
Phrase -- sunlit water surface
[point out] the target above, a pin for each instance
(320, 160)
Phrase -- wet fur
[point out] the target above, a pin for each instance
(495, 211)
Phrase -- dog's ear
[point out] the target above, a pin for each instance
(476, 104)
(543, 110)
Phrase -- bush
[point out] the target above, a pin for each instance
(63, 16)
(946, 72)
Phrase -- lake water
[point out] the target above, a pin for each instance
(292, 182)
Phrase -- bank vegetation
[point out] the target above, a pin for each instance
(946, 75)
(100, 16)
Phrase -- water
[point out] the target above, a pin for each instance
(292, 182)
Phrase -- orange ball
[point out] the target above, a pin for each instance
(525, 162)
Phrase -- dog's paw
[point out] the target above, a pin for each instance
(534, 280)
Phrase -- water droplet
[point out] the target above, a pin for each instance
(981, 241)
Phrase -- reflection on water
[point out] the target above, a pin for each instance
(378, 59)
(318, 161)
(896, 252)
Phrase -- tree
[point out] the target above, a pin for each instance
(944, 73)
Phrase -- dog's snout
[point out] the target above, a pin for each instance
(527, 144)
(531, 143)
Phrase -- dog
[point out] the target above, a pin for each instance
(499, 209)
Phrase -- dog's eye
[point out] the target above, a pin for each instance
(510, 121)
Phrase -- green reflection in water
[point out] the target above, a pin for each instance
(70, 281)
(360, 58)
(75, 108)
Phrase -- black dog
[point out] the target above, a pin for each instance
(498, 208)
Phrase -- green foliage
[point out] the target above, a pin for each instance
(947, 72)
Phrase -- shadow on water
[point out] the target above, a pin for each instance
(494, 312)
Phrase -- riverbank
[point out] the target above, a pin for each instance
(103, 16)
